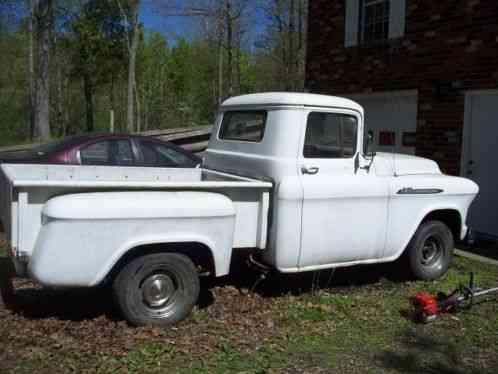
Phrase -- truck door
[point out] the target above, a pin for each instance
(344, 216)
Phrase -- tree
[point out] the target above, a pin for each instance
(129, 12)
(221, 27)
(69, 64)
(31, 70)
(43, 14)
(96, 46)
(284, 41)
(153, 66)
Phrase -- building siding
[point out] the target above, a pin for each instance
(448, 47)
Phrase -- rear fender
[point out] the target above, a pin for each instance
(83, 236)
(221, 258)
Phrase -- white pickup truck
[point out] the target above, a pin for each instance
(285, 176)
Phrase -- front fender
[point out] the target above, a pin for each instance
(413, 197)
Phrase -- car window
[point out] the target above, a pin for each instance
(160, 155)
(108, 152)
(330, 135)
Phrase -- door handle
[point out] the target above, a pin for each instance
(309, 170)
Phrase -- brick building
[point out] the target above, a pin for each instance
(425, 71)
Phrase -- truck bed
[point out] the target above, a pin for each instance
(24, 190)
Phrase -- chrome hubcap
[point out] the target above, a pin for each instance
(157, 290)
(431, 251)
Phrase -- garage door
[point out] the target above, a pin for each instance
(480, 159)
(393, 118)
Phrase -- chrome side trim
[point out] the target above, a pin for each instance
(419, 191)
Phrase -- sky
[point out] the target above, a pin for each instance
(172, 27)
(153, 17)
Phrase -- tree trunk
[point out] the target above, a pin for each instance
(31, 72)
(220, 67)
(238, 75)
(131, 69)
(137, 103)
(44, 12)
(112, 105)
(59, 120)
(89, 103)
(292, 55)
(229, 46)
(60, 106)
(301, 59)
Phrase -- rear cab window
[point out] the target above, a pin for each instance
(243, 126)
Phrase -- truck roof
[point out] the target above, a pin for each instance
(291, 99)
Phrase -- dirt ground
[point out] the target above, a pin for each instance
(353, 320)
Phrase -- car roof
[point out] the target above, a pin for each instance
(85, 138)
(291, 99)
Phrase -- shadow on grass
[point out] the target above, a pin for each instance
(483, 247)
(67, 304)
(6, 273)
(82, 304)
(278, 284)
(422, 353)
(37, 303)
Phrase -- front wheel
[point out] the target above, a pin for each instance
(159, 289)
(430, 251)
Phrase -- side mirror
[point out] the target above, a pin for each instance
(370, 136)
(369, 142)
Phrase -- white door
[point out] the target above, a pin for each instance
(392, 116)
(480, 159)
(344, 215)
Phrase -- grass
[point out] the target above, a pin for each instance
(345, 326)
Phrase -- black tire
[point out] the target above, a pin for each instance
(158, 289)
(430, 252)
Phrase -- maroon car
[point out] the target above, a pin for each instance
(107, 149)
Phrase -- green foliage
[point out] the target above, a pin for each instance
(13, 95)
(96, 41)
(177, 78)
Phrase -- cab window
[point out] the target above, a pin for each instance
(330, 135)
(245, 126)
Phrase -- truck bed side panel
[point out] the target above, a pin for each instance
(84, 235)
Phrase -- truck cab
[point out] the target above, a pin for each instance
(334, 204)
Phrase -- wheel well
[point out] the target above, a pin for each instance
(450, 217)
(200, 254)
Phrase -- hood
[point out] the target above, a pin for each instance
(401, 164)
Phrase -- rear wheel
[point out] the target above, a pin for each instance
(430, 251)
(159, 289)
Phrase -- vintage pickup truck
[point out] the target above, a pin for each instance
(286, 176)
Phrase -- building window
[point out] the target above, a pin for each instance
(374, 21)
